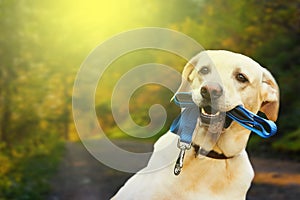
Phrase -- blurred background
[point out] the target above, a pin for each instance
(43, 43)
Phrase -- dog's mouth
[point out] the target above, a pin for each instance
(209, 115)
(210, 112)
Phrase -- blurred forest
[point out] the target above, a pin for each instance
(43, 43)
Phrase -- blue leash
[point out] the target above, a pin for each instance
(262, 127)
(185, 124)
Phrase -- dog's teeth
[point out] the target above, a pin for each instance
(204, 112)
(210, 115)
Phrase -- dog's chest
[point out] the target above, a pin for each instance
(207, 179)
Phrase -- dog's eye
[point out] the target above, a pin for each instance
(204, 70)
(241, 78)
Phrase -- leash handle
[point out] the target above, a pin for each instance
(262, 127)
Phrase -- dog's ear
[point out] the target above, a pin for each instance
(186, 76)
(188, 69)
(269, 95)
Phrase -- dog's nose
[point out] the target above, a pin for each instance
(211, 91)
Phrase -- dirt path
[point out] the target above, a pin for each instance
(81, 177)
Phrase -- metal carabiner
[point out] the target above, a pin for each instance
(179, 163)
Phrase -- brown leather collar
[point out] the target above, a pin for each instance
(210, 154)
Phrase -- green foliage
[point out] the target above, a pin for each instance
(26, 170)
(290, 142)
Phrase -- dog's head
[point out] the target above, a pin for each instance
(220, 81)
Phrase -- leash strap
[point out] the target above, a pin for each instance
(262, 127)
(184, 126)
(184, 99)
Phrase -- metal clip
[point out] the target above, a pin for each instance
(179, 163)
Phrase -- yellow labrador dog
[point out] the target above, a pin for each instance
(230, 79)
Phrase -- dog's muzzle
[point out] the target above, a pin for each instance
(209, 115)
